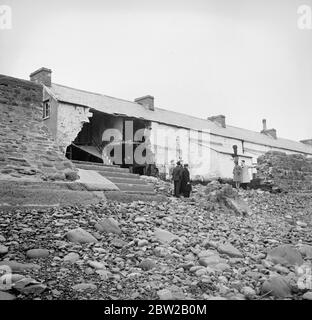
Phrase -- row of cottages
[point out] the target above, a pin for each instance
(78, 119)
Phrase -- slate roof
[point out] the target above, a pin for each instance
(116, 106)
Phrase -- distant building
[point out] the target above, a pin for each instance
(78, 118)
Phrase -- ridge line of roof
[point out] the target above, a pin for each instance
(186, 115)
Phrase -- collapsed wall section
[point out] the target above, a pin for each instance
(70, 121)
(26, 146)
(292, 172)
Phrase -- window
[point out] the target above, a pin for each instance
(46, 110)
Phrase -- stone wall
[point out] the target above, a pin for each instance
(292, 172)
(26, 146)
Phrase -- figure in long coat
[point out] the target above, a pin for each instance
(177, 177)
(186, 186)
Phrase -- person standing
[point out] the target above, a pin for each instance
(177, 177)
(237, 174)
(186, 186)
(245, 180)
(171, 167)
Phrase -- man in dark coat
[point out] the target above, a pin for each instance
(186, 182)
(177, 177)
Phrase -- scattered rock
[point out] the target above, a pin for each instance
(96, 265)
(80, 235)
(19, 267)
(276, 286)
(147, 264)
(71, 257)
(301, 224)
(29, 286)
(118, 243)
(104, 274)
(248, 292)
(165, 294)
(307, 295)
(108, 225)
(84, 286)
(139, 220)
(3, 249)
(306, 251)
(37, 253)
(285, 255)
(142, 243)
(239, 206)
(211, 260)
(6, 296)
(164, 236)
(230, 250)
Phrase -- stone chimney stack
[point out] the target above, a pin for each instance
(269, 132)
(42, 76)
(218, 120)
(146, 101)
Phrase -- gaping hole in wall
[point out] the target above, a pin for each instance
(103, 130)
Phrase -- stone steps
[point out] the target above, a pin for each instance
(127, 182)
(130, 180)
(100, 167)
(115, 174)
(135, 188)
(77, 162)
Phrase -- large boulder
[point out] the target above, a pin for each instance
(229, 250)
(37, 253)
(71, 257)
(277, 286)
(238, 205)
(108, 225)
(164, 236)
(19, 267)
(29, 286)
(285, 254)
(80, 235)
(212, 260)
(306, 251)
(3, 249)
(6, 296)
(147, 264)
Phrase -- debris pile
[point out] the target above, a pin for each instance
(282, 172)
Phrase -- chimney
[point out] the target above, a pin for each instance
(269, 132)
(307, 141)
(146, 101)
(42, 76)
(218, 120)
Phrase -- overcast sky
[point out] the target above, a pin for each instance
(245, 59)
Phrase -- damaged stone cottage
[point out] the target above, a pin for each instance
(77, 120)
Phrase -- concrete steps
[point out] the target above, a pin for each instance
(135, 188)
(127, 182)
(130, 180)
(99, 167)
